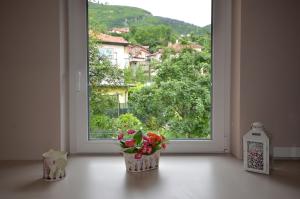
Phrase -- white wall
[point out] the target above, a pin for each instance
(120, 56)
(266, 71)
(32, 72)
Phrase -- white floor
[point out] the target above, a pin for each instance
(195, 177)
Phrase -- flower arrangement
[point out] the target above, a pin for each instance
(140, 143)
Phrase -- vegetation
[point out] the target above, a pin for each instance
(179, 99)
(136, 75)
(127, 121)
(176, 101)
(104, 17)
(101, 75)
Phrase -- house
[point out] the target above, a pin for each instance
(119, 91)
(119, 30)
(138, 56)
(138, 52)
(177, 47)
(44, 97)
(156, 55)
(114, 48)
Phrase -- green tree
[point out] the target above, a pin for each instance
(144, 103)
(153, 36)
(179, 99)
(136, 75)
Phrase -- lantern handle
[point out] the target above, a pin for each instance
(257, 125)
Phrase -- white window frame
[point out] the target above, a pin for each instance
(78, 89)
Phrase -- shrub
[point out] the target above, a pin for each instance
(127, 121)
(100, 122)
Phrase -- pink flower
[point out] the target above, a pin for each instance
(146, 143)
(129, 143)
(149, 150)
(138, 156)
(144, 149)
(131, 131)
(120, 136)
(145, 138)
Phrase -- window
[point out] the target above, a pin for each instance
(117, 100)
(106, 53)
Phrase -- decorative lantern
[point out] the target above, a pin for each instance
(256, 149)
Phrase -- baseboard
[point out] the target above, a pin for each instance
(286, 152)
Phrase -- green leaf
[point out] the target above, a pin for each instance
(138, 136)
(122, 143)
(156, 148)
(131, 150)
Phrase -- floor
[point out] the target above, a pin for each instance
(182, 177)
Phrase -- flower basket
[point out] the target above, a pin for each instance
(145, 163)
(141, 150)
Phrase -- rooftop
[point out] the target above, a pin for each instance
(111, 39)
(178, 47)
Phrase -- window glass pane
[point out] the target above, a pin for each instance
(150, 67)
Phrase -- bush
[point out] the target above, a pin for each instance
(127, 121)
(100, 122)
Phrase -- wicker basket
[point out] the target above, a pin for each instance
(147, 162)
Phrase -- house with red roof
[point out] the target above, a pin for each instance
(137, 53)
(113, 48)
(122, 54)
(139, 57)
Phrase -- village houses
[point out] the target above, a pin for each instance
(124, 55)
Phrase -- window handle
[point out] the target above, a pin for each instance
(78, 81)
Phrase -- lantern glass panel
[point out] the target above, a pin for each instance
(255, 153)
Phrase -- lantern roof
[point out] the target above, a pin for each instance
(256, 132)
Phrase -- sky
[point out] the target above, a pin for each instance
(196, 12)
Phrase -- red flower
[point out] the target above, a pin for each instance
(151, 134)
(120, 136)
(129, 143)
(154, 137)
(164, 146)
(152, 140)
(138, 156)
(131, 131)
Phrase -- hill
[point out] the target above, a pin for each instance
(110, 16)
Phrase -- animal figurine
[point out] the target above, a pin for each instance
(55, 163)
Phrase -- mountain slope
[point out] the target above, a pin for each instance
(110, 16)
